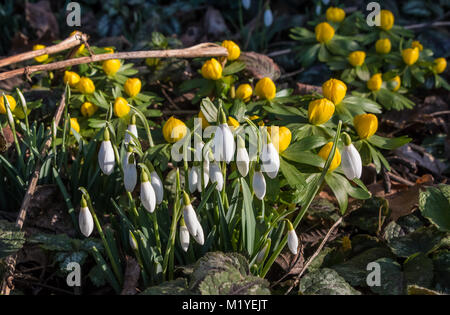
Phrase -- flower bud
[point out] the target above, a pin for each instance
(439, 65)
(244, 92)
(215, 174)
(193, 178)
(357, 58)
(324, 32)
(233, 50)
(111, 66)
(280, 136)
(265, 89)
(81, 48)
(374, 83)
(386, 20)
(158, 187)
(224, 145)
(270, 160)
(259, 185)
(74, 125)
(366, 125)
(246, 4)
(129, 172)
(268, 17)
(212, 69)
(417, 44)
(72, 78)
(383, 46)
(325, 152)
(42, 58)
(86, 86)
(199, 236)
(335, 15)
(191, 220)
(121, 107)
(334, 90)
(131, 130)
(106, 158)
(410, 55)
(292, 239)
(351, 160)
(88, 109)
(132, 87)
(148, 197)
(174, 130)
(396, 83)
(85, 220)
(11, 101)
(184, 236)
(320, 111)
(132, 241)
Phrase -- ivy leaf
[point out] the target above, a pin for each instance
(434, 203)
(325, 282)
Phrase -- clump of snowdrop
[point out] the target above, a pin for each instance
(268, 17)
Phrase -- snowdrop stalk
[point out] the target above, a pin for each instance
(148, 197)
(350, 159)
(85, 220)
(106, 158)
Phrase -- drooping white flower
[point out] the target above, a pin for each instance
(259, 185)
(193, 179)
(246, 4)
(184, 236)
(351, 162)
(215, 174)
(199, 236)
(198, 146)
(85, 220)
(191, 220)
(106, 158)
(132, 240)
(242, 158)
(224, 145)
(270, 160)
(268, 17)
(205, 176)
(148, 197)
(133, 130)
(158, 187)
(292, 239)
(129, 172)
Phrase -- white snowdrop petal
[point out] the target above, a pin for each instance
(128, 138)
(190, 218)
(198, 151)
(224, 145)
(129, 173)
(157, 187)
(246, 4)
(242, 161)
(216, 176)
(199, 237)
(351, 162)
(270, 160)
(106, 158)
(268, 17)
(193, 179)
(205, 176)
(292, 241)
(148, 197)
(184, 238)
(259, 185)
(85, 221)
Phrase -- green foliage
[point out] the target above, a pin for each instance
(434, 203)
(11, 239)
(325, 282)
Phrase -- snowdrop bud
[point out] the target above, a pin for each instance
(262, 252)
(259, 185)
(157, 187)
(198, 151)
(193, 179)
(246, 4)
(131, 129)
(292, 239)
(189, 215)
(106, 158)
(129, 171)
(205, 176)
(148, 197)
(350, 160)
(85, 220)
(199, 237)
(132, 240)
(216, 176)
(242, 158)
(268, 17)
(184, 235)
(270, 160)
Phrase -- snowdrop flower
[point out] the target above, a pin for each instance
(246, 4)
(205, 176)
(148, 197)
(158, 187)
(350, 159)
(242, 159)
(193, 179)
(198, 146)
(270, 160)
(262, 252)
(268, 17)
(131, 129)
(129, 170)
(224, 145)
(85, 220)
(216, 176)
(259, 185)
(184, 235)
(132, 240)
(106, 158)
(292, 239)
(190, 218)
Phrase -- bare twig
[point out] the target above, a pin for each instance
(400, 179)
(422, 25)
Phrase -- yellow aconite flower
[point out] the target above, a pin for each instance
(72, 78)
(324, 32)
(233, 123)
(174, 130)
(18, 112)
(233, 50)
(386, 20)
(40, 58)
(256, 117)
(109, 50)
(366, 125)
(417, 44)
(266, 89)
(86, 86)
(205, 122)
(325, 152)
(88, 109)
(383, 46)
(244, 91)
(281, 137)
(111, 66)
(121, 107)
(335, 14)
(357, 58)
(439, 65)
(212, 69)
(334, 90)
(81, 48)
(410, 55)
(397, 82)
(75, 125)
(12, 104)
(132, 87)
(374, 83)
(320, 111)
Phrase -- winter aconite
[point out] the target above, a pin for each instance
(357, 58)
(324, 32)
(320, 111)
(325, 152)
(86, 86)
(386, 20)
(410, 55)
(265, 89)
(374, 83)
(233, 50)
(212, 69)
(244, 92)
(174, 130)
(366, 125)
(11, 101)
(71, 78)
(334, 90)
(132, 87)
(41, 58)
(439, 65)
(335, 15)
(88, 109)
(121, 107)
(383, 46)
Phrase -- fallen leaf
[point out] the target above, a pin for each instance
(260, 66)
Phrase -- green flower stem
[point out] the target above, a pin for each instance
(308, 202)
(146, 126)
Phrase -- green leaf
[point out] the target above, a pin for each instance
(174, 287)
(441, 262)
(11, 238)
(434, 204)
(248, 218)
(209, 110)
(292, 175)
(418, 270)
(423, 240)
(336, 185)
(388, 143)
(325, 282)
(391, 282)
(234, 67)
